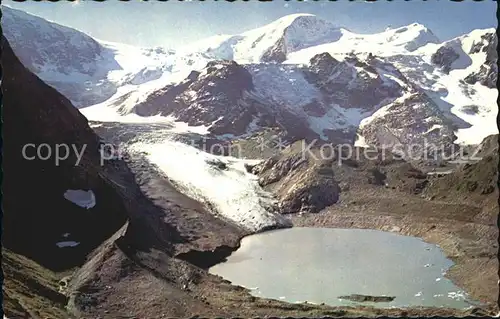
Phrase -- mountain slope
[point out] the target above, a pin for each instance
(39, 222)
(326, 100)
(460, 77)
(165, 245)
(270, 43)
(333, 82)
(83, 69)
(45, 213)
(47, 235)
(472, 182)
(130, 238)
(67, 59)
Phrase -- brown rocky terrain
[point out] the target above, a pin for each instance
(457, 211)
(145, 247)
(353, 83)
(301, 181)
(377, 190)
(386, 130)
(41, 46)
(213, 96)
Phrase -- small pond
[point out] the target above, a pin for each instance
(319, 265)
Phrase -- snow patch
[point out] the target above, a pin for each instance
(433, 127)
(63, 244)
(84, 199)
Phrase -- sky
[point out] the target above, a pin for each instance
(174, 23)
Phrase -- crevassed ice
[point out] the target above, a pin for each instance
(233, 192)
(84, 199)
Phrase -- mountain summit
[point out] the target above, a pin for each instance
(272, 42)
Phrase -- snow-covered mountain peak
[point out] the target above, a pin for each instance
(415, 26)
(289, 34)
(271, 42)
(84, 69)
(470, 57)
(306, 30)
(304, 21)
(45, 46)
(292, 17)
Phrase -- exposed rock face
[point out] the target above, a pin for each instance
(234, 101)
(214, 98)
(352, 86)
(301, 182)
(222, 97)
(352, 83)
(163, 101)
(397, 126)
(308, 178)
(444, 57)
(487, 44)
(489, 146)
(488, 73)
(276, 53)
(36, 214)
(323, 64)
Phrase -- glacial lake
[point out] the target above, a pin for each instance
(318, 265)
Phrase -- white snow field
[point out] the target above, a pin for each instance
(120, 76)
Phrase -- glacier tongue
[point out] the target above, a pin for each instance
(221, 182)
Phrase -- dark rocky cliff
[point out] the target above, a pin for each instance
(36, 214)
